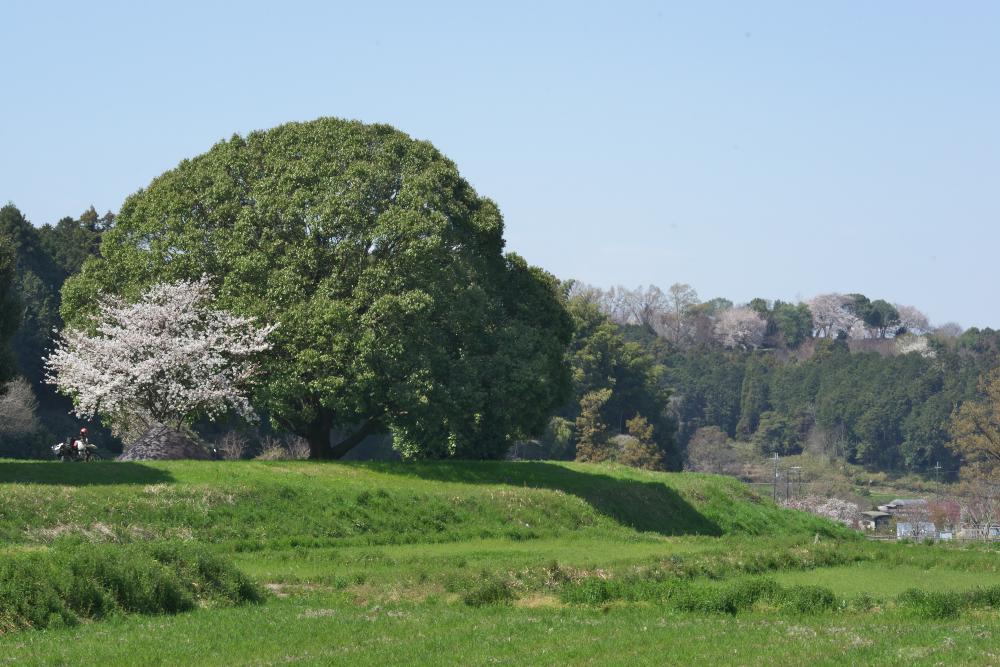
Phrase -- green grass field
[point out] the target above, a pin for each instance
(482, 563)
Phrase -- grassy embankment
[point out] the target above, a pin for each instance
(476, 562)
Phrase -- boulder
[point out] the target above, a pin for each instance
(161, 442)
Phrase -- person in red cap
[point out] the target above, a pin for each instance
(83, 445)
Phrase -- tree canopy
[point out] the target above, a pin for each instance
(617, 380)
(383, 268)
(975, 427)
(10, 308)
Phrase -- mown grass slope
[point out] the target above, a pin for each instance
(249, 506)
(474, 563)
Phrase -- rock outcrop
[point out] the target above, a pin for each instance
(161, 442)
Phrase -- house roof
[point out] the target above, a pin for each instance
(875, 514)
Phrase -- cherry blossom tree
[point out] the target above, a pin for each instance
(168, 358)
(741, 328)
(830, 315)
(835, 509)
(913, 320)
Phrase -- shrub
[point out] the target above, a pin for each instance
(596, 591)
(809, 599)
(232, 445)
(491, 592)
(282, 449)
(863, 602)
(729, 599)
(985, 597)
(218, 580)
(590, 590)
(928, 604)
(76, 580)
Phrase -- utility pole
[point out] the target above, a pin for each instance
(774, 485)
(937, 472)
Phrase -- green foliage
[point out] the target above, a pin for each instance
(72, 241)
(788, 324)
(809, 599)
(490, 592)
(882, 317)
(10, 308)
(602, 359)
(36, 283)
(592, 433)
(74, 581)
(323, 627)
(975, 427)
(753, 397)
(398, 310)
(40, 259)
(708, 385)
(706, 598)
(793, 323)
(558, 439)
(891, 411)
(780, 433)
(932, 604)
(640, 450)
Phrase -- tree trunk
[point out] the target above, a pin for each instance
(318, 437)
(355, 439)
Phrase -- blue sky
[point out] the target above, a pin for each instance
(776, 149)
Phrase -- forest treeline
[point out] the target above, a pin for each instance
(845, 376)
(34, 264)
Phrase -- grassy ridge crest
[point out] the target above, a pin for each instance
(248, 506)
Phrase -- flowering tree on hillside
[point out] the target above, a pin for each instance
(741, 328)
(167, 358)
(831, 315)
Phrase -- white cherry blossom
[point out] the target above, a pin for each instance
(165, 358)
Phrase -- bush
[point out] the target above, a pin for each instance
(590, 590)
(218, 580)
(595, 591)
(289, 448)
(985, 597)
(73, 581)
(492, 592)
(232, 445)
(863, 602)
(809, 599)
(729, 599)
(926, 604)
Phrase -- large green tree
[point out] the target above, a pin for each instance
(384, 269)
(10, 308)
